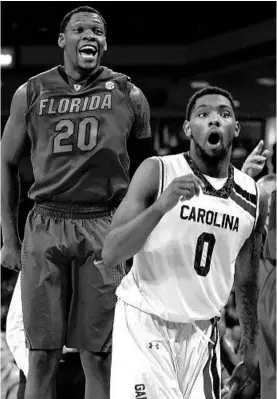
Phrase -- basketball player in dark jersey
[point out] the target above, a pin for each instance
(80, 119)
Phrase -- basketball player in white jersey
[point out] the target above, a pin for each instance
(193, 223)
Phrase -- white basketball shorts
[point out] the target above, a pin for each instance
(157, 359)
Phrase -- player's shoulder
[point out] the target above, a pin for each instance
(21, 90)
(244, 181)
(245, 186)
(19, 100)
(171, 158)
(175, 160)
(45, 74)
(173, 165)
(135, 93)
(110, 74)
(149, 168)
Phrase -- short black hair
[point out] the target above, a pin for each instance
(203, 92)
(67, 17)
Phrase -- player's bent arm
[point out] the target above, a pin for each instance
(139, 145)
(135, 217)
(141, 124)
(247, 286)
(12, 146)
(255, 162)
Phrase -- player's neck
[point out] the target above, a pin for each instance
(218, 169)
(79, 76)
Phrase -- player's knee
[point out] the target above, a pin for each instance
(44, 360)
(94, 359)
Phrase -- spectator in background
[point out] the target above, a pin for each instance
(267, 311)
(268, 183)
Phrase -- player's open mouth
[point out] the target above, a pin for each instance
(214, 138)
(88, 52)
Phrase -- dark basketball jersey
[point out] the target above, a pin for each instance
(78, 137)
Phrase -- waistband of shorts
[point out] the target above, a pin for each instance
(72, 211)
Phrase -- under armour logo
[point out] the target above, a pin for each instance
(151, 345)
(77, 87)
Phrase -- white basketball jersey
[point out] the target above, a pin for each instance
(185, 270)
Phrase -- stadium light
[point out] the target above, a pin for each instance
(7, 57)
(267, 81)
(198, 84)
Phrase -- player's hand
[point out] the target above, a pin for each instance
(224, 394)
(182, 188)
(239, 379)
(11, 256)
(229, 393)
(69, 350)
(255, 162)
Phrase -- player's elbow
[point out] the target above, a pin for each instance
(108, 257)
(114, 249)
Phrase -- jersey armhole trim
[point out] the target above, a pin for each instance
(129, 102)
(28, 94)
(257, 208)
(257, 205)
(28, 99)
(161, 176)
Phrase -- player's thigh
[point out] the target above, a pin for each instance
(208, 381)
(43, 283)
(91, 317)
(200, 361)
(92, 307)
(142, 364)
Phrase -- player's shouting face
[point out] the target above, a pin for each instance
(84, 41)
(213, 126)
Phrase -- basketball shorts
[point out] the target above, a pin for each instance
(267, 322)
(153, 358)
(68, 295)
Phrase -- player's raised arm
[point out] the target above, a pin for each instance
(140, 211)
(247, 291)
(12, 146)
(255, 161)
(139, 143)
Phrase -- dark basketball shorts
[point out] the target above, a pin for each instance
(67, 298)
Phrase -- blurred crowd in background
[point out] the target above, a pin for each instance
(240, 62)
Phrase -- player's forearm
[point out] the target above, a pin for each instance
(247, 288)
(125, 241)
(246, 305)
(10, 189)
